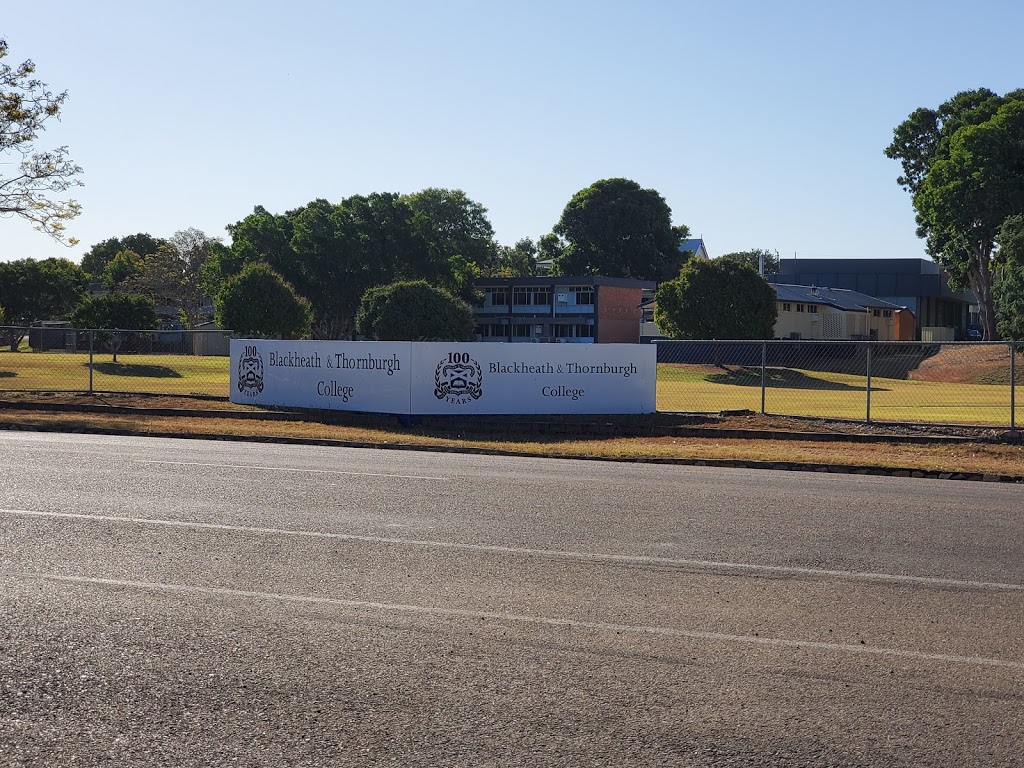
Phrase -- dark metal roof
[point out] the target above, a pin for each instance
(840, 298)
(893, 278)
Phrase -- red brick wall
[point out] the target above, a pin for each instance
(618, 315)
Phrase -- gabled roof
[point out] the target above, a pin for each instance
(840, 298)
(696, 245)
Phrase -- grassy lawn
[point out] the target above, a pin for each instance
(834, 395)
(686, 388)
(162, 374)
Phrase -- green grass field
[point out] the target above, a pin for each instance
(682, 388)
(150, 374)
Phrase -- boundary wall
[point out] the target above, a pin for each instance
(445, 378)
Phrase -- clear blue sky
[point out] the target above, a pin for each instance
(762, 124)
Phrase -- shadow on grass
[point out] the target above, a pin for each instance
(783, 378)
(147, 371)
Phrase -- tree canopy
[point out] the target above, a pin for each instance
(116, 310)
(519, 260)
(616, 228)
(96, 259)
(174, 275)
(752, 259)
(963, 165)
(716, 300)
(333, 253)
(1009, 287)
(258, 302)
(452, 224)
(414, 311)
(33, 290)
(33, 184)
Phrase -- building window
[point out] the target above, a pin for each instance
(886, 313)
(532, 296)
(496, 297)
(812, 307)
(799, 307)
(585, 331)
(522, 330)
(584, 294)
(787, 307)
(876, 313)
(492, 329)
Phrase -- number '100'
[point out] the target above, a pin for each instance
(458, 357)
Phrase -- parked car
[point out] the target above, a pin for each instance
(975, 334)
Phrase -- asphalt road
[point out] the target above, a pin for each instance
(189, 603)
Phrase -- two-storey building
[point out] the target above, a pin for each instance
(570, 310)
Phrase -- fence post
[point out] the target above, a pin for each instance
(764, 377)
(869, 383)
(1013, 385)
(90, 360)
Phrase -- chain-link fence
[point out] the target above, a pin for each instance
(968, 383)
(953, 383)
(58, 358)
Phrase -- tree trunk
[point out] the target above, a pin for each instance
(980, 278)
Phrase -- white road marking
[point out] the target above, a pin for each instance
(557, 553)
(775, 642)
(287, 469)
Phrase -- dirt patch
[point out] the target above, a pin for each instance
(968, 364)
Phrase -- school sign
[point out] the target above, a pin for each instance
(439, 378)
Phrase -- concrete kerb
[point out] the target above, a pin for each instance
(727, 463)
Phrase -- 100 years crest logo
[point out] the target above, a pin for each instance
(458, 379)
(250, 372)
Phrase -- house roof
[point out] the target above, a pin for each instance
(694, 244)
(840, 298)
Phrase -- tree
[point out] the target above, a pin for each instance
(617, 229)
(1009, 286)
(174, 275)
(33, 290)
(96, 259)
(115, 310)
(414, 311)
(716, 300)
(963, 164)
(452, 224)
(258, 302)
(519, 260)
(752, 259)
(125, 265)
(32, 191)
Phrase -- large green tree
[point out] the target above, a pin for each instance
(258, 302)
(616, 228)
(716, 300)
(32, 184)
(1009, 285)
(753, 257)
(96, 259)
(174, 275)
(33, 290)
(453, 224)
(963, 164)
(115, 310)
(414, 311)
(519, 260)
(333, 253)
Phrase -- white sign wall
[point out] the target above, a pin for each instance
(445, 378)
(532, 378)
(331, 375)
